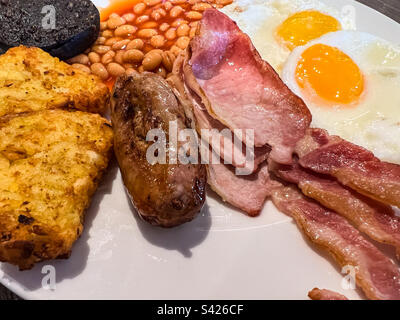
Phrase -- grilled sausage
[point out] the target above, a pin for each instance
(166, 195)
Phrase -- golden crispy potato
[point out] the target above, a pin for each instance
(51, 162)
(32, 80)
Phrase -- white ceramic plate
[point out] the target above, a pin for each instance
(221, 255)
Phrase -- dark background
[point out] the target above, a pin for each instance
(391, 8)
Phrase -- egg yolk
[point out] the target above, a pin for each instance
(330, 73)
(300, 28)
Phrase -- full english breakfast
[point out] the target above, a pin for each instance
(298, 107)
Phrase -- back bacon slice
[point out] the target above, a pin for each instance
(241, 90)
(247, 193)
(220, 138)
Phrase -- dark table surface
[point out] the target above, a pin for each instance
(391, 8)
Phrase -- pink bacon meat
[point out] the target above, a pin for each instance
(247, 193)
(241, 90)
(211, 130)
(376, 274)
(373, 218)
(352, 165)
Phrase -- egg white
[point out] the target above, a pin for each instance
(261, 18)
(374, 121)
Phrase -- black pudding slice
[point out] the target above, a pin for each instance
(64, 28)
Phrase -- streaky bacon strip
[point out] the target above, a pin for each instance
(241, 90)
(376, 274)
(352, 165)
(324, 294)
(247, 193)
(373, 218)
(211, 130)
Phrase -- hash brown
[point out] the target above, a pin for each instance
(51, 162)
(32, 80)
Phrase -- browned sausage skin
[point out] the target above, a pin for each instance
(166, 195)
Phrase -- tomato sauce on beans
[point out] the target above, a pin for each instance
(142, 35)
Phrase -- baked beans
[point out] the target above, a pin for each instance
(139, 8)
(100, 70)
(148, 37)
(129, 17)
(108, 57)
(121, 44)
(168, 59)
(82, 67)
(115, 69)
(99, 49)
(101, 40)
(147, 33)
(182, 42)
(115, 22)
(183, 30)
(81, 59)
(125, 30)
(142, 19)
(135, 44)
(119, 56)
(94, 57)
(170, 34)
(152, 60)
(178, 22)
(111, 41)
(157, 41)
(133, 56)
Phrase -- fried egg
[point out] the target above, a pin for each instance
(276, 27)
(351, 83)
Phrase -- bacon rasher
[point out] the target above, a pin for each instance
(373, 218)
(247, 193)
(241, 90)
(377, 275)
(213, 132)
(352, 165)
